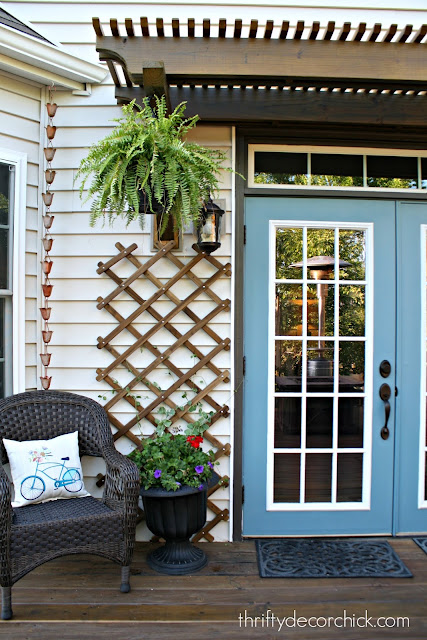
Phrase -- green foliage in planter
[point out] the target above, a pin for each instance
(147, 151)
(171, 460)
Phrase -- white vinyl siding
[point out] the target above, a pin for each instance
(20, 107)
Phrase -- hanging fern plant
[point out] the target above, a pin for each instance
(146, 165)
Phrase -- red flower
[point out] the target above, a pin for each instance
(195, 441)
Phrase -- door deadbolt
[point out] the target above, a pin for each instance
(385, 368)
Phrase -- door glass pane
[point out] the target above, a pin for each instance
(352, 249)
(320, 253)
(320, 365)
(286, 477)
(350, 422)
(319, 383)
(288, 310)
(288, 252)
(287, 366)
(287, 422)
(319, 422)
(352, 366)
(320, 309)
(349, 477)
(318, 477)
(352, 310)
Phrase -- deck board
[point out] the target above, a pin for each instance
(77, 598)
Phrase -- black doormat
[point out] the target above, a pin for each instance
(328, 558)
(421, 542)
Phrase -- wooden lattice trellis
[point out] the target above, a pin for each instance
(163, 358)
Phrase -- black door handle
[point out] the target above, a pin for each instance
(385, 393)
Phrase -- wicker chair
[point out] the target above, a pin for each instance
(35, 534)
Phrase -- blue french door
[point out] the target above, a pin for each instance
(334, 316)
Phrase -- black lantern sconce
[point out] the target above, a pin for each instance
(209, 227)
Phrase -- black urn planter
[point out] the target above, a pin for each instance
(176, 516)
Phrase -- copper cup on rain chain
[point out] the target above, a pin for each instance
(49, 152)
(47, 198)
(45, 311)
(47, 336)
(49, 176)
(47, 290)
(47, 266)
(50, 131)
(45, 380)
(45, 358)
(51, 109)
(47, 221)
(47, 244)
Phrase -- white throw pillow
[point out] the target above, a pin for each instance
(45, 469)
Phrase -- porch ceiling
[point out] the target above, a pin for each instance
(346, 74)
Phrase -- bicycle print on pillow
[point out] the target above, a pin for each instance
(33, 486)
(45, 469)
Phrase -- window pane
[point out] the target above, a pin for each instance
(286, 477)
(349, 477)
(4, 258)
(287, 422)
(2, 323)
(424, 173)
(318, 477)
(2, 311)
(393, 172)
(334, 170)
(273, 167)
(4, 194)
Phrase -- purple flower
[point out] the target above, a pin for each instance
(178, 483)
(199, 468)
(210, 464)
(157, 473)
(201, 487)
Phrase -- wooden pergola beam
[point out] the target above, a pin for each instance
(223, 105)
(154, 79)
(268, 58)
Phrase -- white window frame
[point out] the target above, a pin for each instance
(333, 506)
(308, 149)
(19, 161)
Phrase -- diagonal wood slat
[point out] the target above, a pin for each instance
(124, 360)
(174, 369)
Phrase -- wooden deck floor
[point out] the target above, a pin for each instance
(78, 598)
